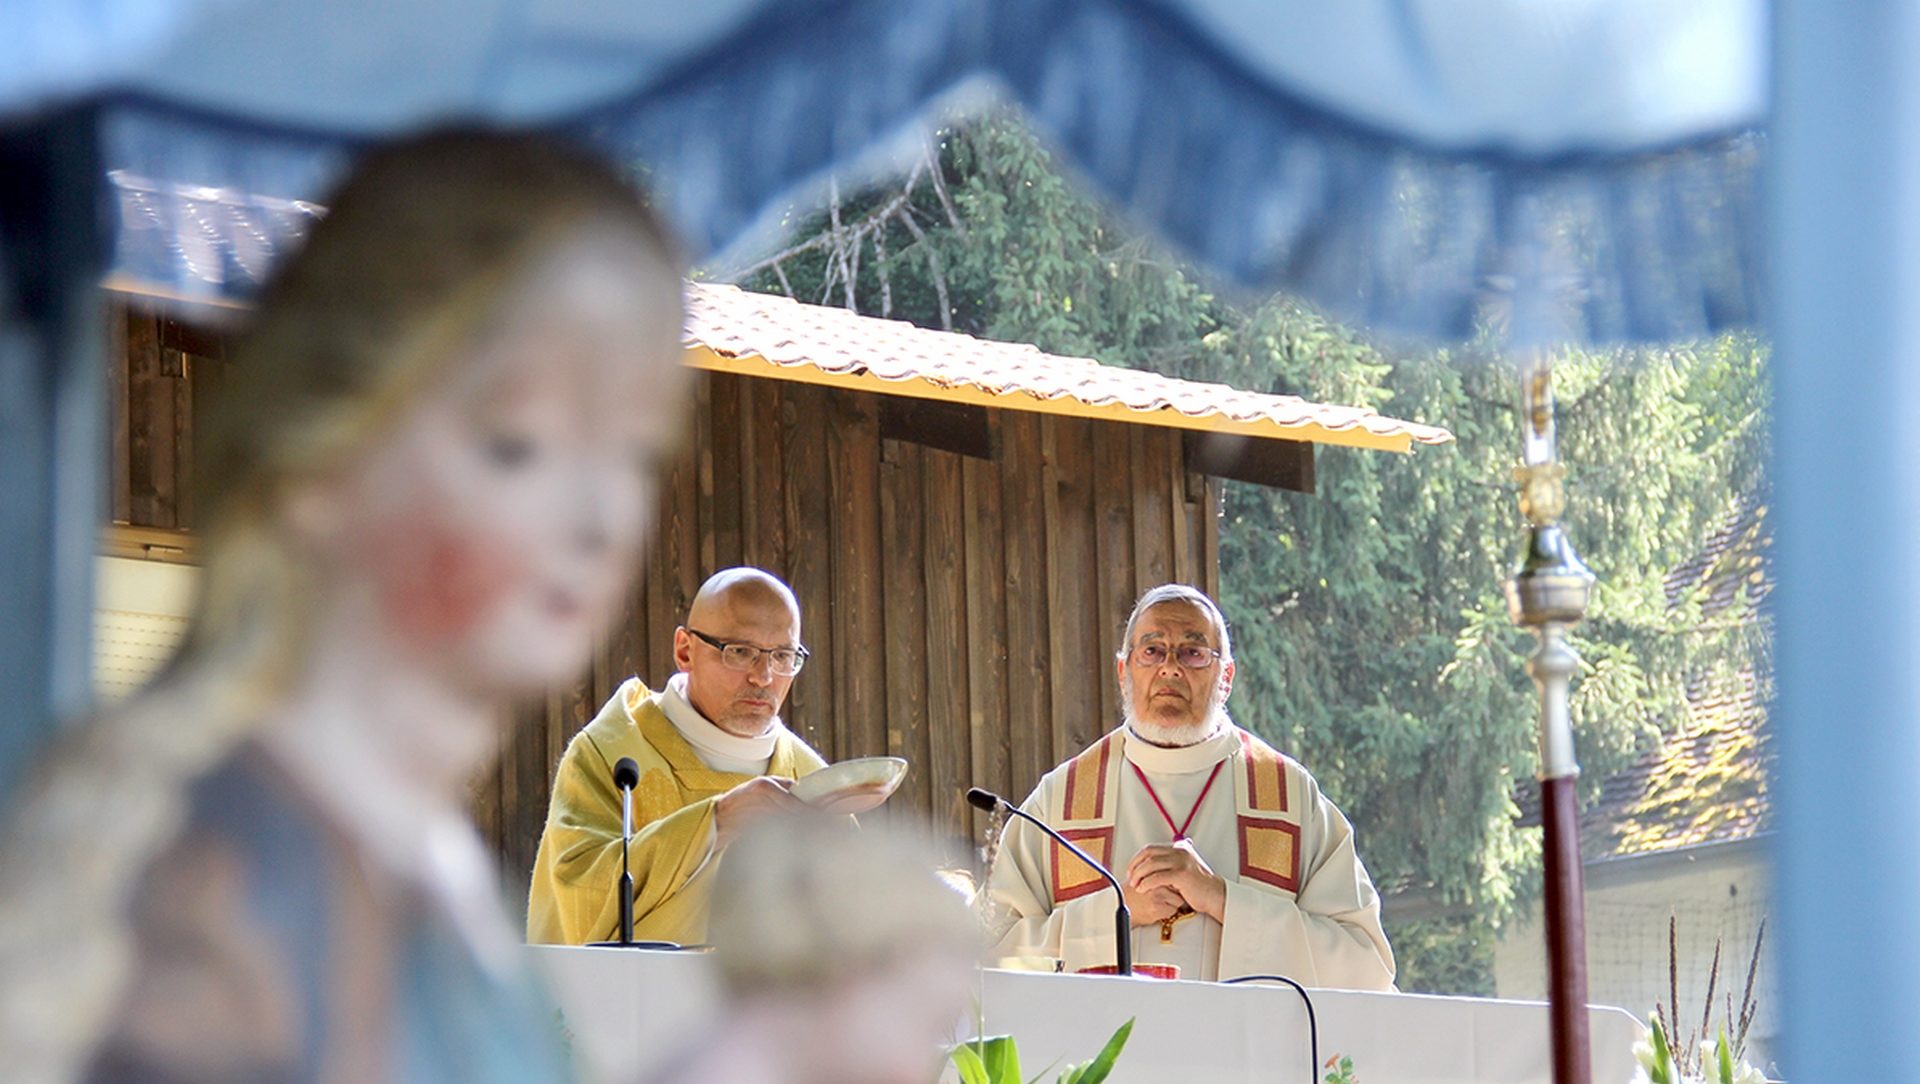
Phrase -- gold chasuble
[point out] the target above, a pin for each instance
(574, 897)
(1299, 903)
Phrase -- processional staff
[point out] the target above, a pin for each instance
(1548, 595)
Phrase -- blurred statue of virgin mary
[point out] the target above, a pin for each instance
(427, 487)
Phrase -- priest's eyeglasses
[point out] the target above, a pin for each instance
(786, 661)
(1191, 656)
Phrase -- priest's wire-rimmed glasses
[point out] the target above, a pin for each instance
(1191, 656)
(738, 655)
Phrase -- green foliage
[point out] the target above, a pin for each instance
(996, 1060)
(1097, 1070)
(990, 1060)
(1716, 1064)
(1374, 640)
(1452, 953)
(1699, 1060)
(1662, 1070)
(1371, 637)
(1340, 1070)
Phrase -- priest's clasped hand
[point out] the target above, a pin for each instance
(1177, 867)
(1151, 907)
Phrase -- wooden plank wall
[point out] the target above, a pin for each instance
(962, 612)
(159, 371)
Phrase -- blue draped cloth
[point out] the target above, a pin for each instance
(1385, 158)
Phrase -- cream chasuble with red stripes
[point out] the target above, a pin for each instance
(1299, 902)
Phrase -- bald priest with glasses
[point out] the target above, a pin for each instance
(1231, 859)
(713, 757)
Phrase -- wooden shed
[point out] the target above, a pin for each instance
(966, 524)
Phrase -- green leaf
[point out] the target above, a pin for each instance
(1339, 1071)
(1662, 1071)
(1096, 1070)
(1725, 1058)
(1002, 1059)
(972, 1069)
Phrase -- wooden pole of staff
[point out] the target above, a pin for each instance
(1548, 595)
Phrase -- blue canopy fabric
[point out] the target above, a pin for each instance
(1384, 158)
(1412, 164)
(1397, 160)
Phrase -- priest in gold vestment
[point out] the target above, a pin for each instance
(1231, 859)
(713, 755)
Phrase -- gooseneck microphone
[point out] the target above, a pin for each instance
(987, 801)
(1313, 1025)
(626, 776)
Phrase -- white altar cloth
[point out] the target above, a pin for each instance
(628, 1010)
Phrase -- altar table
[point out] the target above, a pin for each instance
(627, 1010)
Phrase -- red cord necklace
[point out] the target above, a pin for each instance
(1180, 830)
(1179, 833)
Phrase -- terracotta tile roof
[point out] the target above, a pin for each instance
(1707, 784)
(732, 330)
(1732, 565)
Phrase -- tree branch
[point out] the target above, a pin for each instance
(940, 188)
(880, 268)
(935, 270)
(827, 239)
(839, 241)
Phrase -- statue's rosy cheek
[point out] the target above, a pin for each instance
(437, 584)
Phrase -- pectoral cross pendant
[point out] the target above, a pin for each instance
(1167, 924)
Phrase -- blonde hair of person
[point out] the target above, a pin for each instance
(419, 245)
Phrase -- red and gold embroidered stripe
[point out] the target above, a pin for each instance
(1073, 878)
(1270, 851)
(1266, 776)
(1086, 797)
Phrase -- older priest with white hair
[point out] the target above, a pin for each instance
(1232, 861)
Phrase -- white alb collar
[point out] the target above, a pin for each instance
(704, 735)
(1180, 760)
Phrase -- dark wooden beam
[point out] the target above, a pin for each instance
(951, 427)
(199, 340)
(1282, 464)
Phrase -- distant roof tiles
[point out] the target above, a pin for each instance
(1708, 782)
(733, 330)
(1730, 567)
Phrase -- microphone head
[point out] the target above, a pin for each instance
(626, 774)
(984, 800)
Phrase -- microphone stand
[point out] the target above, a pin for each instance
(626, 776)
(626, 867)
(987, 801)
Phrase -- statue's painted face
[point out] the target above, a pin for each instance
(496, 526)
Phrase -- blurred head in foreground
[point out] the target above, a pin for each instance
(845, 957)
(423, 492)
(445, 422)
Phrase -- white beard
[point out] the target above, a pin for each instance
(1178, 736)
(1212, 723)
